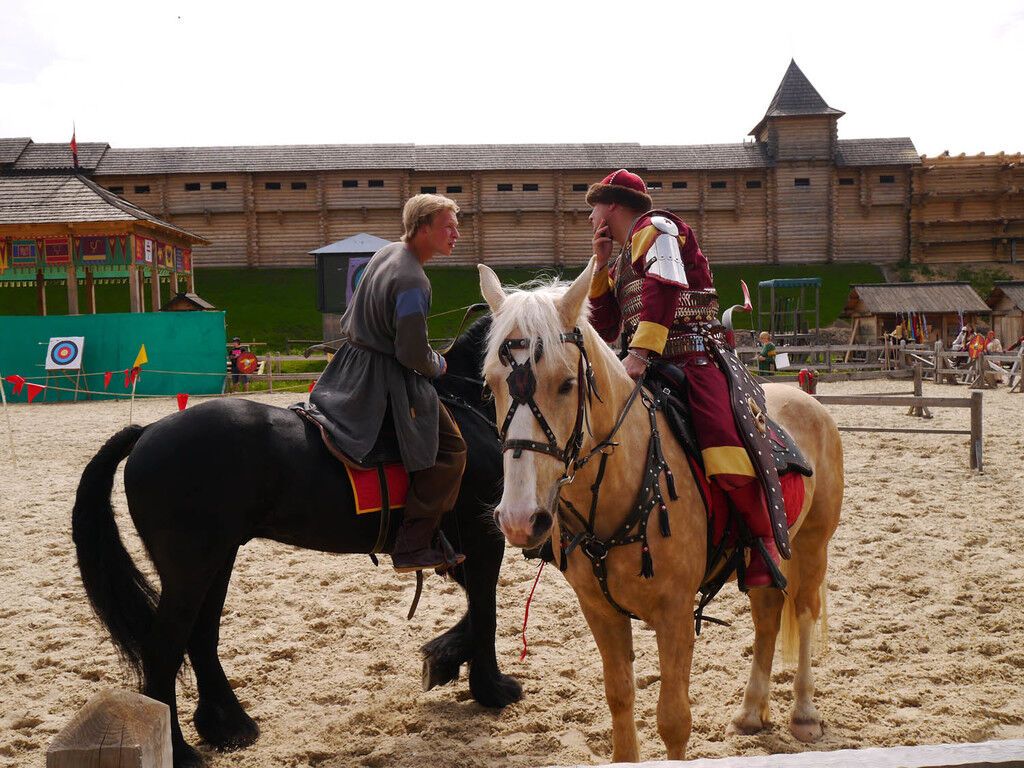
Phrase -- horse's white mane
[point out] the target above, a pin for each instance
(530, 312)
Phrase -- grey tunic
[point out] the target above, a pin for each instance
(385, 358)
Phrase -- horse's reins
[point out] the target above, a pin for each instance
(522, 385)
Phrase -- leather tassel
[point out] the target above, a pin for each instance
(663, 521)
(646, 564)
(671, 481)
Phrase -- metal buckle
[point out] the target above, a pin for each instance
(594, 549)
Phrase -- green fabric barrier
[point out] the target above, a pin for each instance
(179, 346)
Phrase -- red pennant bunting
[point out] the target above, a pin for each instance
(106, 379)
(33, 390)
(182, 400)
(313, 384)
(130, 375)
(16, 381)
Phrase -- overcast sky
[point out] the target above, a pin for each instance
(186, 73)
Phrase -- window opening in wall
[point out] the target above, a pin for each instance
(886, 179)
(375, 183)
(142, 189)
(116, 190)
(579, 187)
(272, 185)
(192, 186)
(298, 185)
(504, 187)
(801, 182)
(428, 190)
(454, 190)
(679, 185)
(654, 185)
(846, 181)
(753, 184)
(349, 183)
(218, 185)
(718, 185)
(531, 187)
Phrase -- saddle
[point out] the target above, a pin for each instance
(379, 481)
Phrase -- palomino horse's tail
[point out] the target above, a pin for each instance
(789, 632)
(120, 595)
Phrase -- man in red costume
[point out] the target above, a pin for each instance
(659, 293)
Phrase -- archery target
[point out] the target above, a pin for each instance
(64, 353)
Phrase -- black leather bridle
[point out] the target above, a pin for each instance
(522, 386)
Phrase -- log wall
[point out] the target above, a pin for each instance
(967, 208)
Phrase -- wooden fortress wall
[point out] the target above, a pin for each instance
(802, 207)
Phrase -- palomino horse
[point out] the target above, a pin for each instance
(547, 446)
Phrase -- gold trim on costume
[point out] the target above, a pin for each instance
(727, 460)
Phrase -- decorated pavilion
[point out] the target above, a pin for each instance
(65, 228)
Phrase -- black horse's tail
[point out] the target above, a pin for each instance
(121, 596)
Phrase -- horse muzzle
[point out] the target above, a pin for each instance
(524, 530)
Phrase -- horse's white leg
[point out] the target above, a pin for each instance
(675, 653)
(805, 722)
(614, 636)
(766, 608)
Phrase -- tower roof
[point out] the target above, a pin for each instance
(795, 96)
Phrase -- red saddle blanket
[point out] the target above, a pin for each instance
(793, 491)
(368, 491)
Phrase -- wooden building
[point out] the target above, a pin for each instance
(968, 209)
(794, 193)
(1007, 303)
(65, 227)
(876, 309)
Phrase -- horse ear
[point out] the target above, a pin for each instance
(571, 303)
(490, 288)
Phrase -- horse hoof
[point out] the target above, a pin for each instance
(435, 674)
(806, 730)
(496, 692)
(744, 725)
(223, 730)
(186, 756)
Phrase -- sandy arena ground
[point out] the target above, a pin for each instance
(926, 618)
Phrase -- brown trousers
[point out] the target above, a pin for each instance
(433, 491)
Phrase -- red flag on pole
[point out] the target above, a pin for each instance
(17, 382)
(33, 390)
(74, 146)
(182, 400)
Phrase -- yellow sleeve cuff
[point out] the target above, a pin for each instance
(652, 336)
(600, 283)
(727, 460)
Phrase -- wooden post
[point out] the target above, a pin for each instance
(116, 728)
(72, 273)
(191, 281)
(133, 288)
(173, 290)
(940, 362)
(154, 287)
(269, 365)
(90, 292)
(976, 461)
(41, 292)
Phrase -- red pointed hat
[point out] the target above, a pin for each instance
(621, 187)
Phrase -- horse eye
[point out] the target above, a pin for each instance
(565, 387)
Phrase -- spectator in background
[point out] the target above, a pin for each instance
(237, 377)
(766, 357)
(993, 345)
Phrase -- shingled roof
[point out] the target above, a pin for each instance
(70, 198)
(52, 157)
(249, 159)
(897, 151)
(486, 157)
(893, 298)
(704, 157)
(795, 96)
(10, 149)
(1012, 289)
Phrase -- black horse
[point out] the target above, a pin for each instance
(249, 470)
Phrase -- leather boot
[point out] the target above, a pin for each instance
(416, 550)
(763, 569)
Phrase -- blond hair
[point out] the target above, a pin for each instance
(419, 211)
